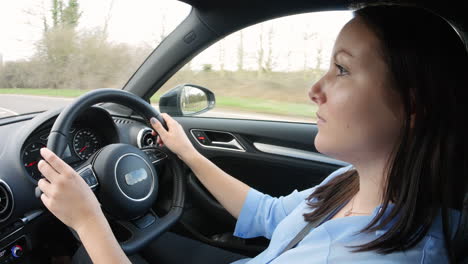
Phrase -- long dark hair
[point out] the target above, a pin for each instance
(427, 172)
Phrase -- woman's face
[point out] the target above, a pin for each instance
(359, 114)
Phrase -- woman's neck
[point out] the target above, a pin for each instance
(371, 186)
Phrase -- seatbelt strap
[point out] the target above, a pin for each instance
(303, 233)
(298, 238)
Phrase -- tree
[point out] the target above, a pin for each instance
(207, 67)
(71, 14)
(307, 37)
(162, 34)
(57, 7)
(260, 53)
(318, 72)
(108, 17)
(269, 62)
(68, 16)
(72, 59)
(240, 52)
(221, 57)
(59, 40)
(318, 60)
(288, 57)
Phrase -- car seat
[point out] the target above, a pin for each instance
(460, 241)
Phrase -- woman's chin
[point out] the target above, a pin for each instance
(320, 145)
(326, 147)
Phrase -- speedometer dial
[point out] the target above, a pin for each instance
(31, 157)
(85, 143)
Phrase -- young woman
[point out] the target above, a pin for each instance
(391, 104)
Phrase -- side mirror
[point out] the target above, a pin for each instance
(186, 100)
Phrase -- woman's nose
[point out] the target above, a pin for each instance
(316, 93)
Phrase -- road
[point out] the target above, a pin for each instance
(20, 104)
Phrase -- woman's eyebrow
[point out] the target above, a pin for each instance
(342, 51)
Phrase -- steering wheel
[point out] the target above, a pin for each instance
(126, 179)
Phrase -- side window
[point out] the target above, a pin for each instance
(264, 72)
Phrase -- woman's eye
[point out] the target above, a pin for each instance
(342, 71)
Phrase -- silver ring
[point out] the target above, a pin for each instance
(118, 185)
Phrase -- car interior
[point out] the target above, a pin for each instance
(273, 157)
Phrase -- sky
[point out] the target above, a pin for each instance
(130, 21)
(139, 22)
(289, 47)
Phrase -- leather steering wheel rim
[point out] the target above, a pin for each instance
(57, 143)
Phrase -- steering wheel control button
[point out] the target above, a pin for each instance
(155, 155)
(145, 221)
(88, 175)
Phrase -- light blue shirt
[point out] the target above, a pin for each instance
(281, 219)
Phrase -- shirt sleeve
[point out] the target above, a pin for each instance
(261, 213)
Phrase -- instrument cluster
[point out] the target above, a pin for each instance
(83, 142)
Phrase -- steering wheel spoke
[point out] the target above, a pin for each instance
(88, 174)
(155, 155)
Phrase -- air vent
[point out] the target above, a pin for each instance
(6, 201)
(145, 138)
(122, 121)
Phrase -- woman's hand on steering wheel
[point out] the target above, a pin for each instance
(174, 137)
(65, 193)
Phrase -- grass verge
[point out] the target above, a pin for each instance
(44, 92)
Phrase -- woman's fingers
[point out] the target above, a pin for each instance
(161, 132)
(46, 196)
(174, 138)
(45, 200)
(158, 127)
(50, 173)
(45, 186)
(159, 141)
(169, 120)
(57, 163)
(66, 194)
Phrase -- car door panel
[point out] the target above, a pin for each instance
(288, 162)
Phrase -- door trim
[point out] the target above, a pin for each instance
(297, 153)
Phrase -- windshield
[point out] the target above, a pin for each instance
(54, 50)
